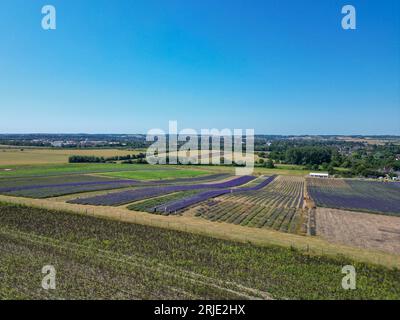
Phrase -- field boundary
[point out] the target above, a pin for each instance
(220, 230)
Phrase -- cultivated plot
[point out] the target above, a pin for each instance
(358, 195)
(44, 186)
(359, 229)
(279, 205)
(32, 155)
(124, 197)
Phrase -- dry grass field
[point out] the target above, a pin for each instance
(26, 156)
(359, 229)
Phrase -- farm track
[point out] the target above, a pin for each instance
(222, 230)
(136, 261)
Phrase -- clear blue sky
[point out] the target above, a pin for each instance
(280, 67)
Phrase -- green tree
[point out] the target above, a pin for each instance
(269, 164)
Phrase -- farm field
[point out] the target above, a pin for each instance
(104, 259)
(81, 168)
(150, 205)
(52, 186)
(359, 229)
(55, 186)
(178, 206)
(358, 195)
(279, 205)
(212, 199)
(26, 156)
(125, 197)
(156, 175)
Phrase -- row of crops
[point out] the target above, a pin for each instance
(124, 197)
(149, 205)
(184, 203)
(104, 259)
(358, 195)
(278, 206)
(45, 187)
(41, 171)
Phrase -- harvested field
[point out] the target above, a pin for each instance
(24, 155)
(359, 229)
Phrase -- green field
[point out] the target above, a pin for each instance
(156, 174)
(99, 258)
(81, 168)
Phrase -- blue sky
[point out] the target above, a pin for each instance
(280, 67)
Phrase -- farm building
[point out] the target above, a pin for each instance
(319, 175)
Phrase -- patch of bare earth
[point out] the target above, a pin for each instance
(364, 230)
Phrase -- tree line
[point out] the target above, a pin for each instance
(357, 159)
(134, 158)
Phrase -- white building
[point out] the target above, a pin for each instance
(319, 175)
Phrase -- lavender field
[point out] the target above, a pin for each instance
(53, 186)
(358, 195)
(175, 206)
(123, 197)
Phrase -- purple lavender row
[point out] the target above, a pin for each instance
(257, 187)
(189, 201)
(123, 197)
(355, 202)
(69, 184)
(110, 182)
(184, 203)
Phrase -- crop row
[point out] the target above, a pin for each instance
(277, 206)
(369, 196)
(110, 183)
(175, 206)
(45, 187)
(149, 205)
(120, 198)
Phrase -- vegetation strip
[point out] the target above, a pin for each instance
(146, 262)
